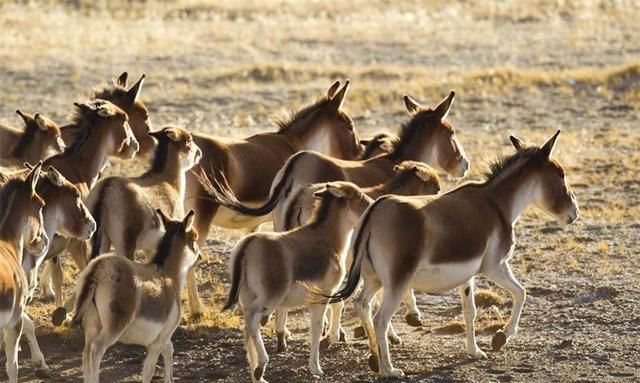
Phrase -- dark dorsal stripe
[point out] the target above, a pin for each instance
(81, 124)
(322, 208)
(503, 163)
(410, 129)
(285, 123)
(160, 155)
(166, 244)
(25, 140)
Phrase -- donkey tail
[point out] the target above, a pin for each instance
(97, 213)
(360, 248)
(236, 273)
(85, 291)
(221, 192)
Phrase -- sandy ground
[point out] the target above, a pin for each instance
(224, 69)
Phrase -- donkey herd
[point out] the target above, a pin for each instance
(349, 215)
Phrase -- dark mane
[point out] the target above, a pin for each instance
(80, 124)
(501, 163)
(374, 144)
(160, 155)
(408, 131)
(287, 121)
(321, 208)
(398, 181)
(5, 191)
(166, 245)
(107, 91)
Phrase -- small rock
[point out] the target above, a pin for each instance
(565, 344)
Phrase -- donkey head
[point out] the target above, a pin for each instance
(553, 194)
(175, 143)
(418, 178)
(446, 152)
(350, 199)
(178, 250)
(41, 134)
(113, 125)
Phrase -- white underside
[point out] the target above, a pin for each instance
(145, 332)
(232, 220)
(439, 278)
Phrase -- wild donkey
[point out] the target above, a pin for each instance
(436, 244)
(412, 178)
(21, 227)
(322, 126)
(40, 139)
(124, 207)
(270, 270)
(121, 300)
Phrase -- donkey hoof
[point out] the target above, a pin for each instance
(282, 342)
(325, 343)
(343, 336)
(196, 316)
(264, 320)
(58, 317)
(394, 339)
(413, 320)
(373, 363)
(358, 332)
(43, 372)
(258, 372)
(499, 340)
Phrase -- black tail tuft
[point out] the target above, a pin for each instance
(236, 275)
(98, 217)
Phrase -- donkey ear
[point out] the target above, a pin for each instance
(162, 219)
(106, 111)
(336, 192)
(333, 89)
(412, 105)
(121, 80)
(34, 176)
(25, 118)
(55, 177)
(517, 143)
(133, 93)
(172, 134)
(40, 121)
(28, 165)
(443, 108)
(188, 220)
(338, 99)
(547, 148)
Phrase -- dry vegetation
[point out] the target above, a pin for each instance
(226, 67)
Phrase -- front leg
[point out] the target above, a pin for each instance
(469, 313)
(195, 304)
(167, 359)
(501, 274)
(42, 370)
(317, 324)
(281, 329)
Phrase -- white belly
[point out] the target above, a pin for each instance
(232, 220)
(297, 297)
(144, 332)
(439, 278)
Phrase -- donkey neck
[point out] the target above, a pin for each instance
(11, 224)
(52, 211)
(91, 157)
(333, 224)
(8, 138)
(512, 193)
(170, 172)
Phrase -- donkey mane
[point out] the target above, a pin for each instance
(405, 175)
(286, 121)
(502, 163)
(80, 123)
(26, 138)
(160, 155)
(409, 130)
(321, 208)
(165, 246)
(5, 192)
(107, 91)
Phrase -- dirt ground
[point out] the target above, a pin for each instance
(524, 70)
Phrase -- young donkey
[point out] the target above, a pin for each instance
(322, 126)
(270, 270)
(412, 178)
(121, 300)
(40, 139)
(21, 227)
(436, 244)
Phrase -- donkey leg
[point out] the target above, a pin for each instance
(253, 321)
(363, 306)
(12, 334)
(42, 370)
(469, 313)
(504, 278)
(57, 278)
(413, 315)
(195, 304)
(167, 360)
(392, 296)
(317, 323)
(281, 329)
(45, 281)
(149, 367)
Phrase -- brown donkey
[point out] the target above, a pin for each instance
(21, 227)
(121, 300)
(322, 126)
(129, 101)
(437, 244)
(40, 139)
(270, 270)
(427, 137)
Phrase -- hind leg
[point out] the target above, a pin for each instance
(392, 296)
(195, 304)
(281, 329)
(469, 312)
(317, 323)
(363, 301)
(167, 360)
(413, 314)
(504, 278)
(46, 290)
(36, 354)
(335, 330)
(57, 279)
(153, 352)
(252, 317)
(12, 334)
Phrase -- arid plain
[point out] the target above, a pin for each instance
(516, 69)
